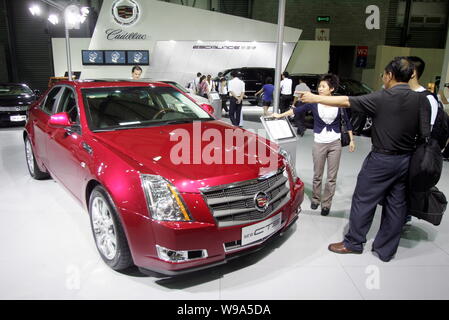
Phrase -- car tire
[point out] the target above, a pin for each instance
(107, 230)
(33, 168)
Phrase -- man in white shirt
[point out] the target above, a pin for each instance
(223, 91)
(236, 88)
(196, 82)
(416, 86)
(286, 92)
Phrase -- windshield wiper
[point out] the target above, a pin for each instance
(180, 121)
(127, 127)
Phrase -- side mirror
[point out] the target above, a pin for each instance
(208, 108)
(37, 93)
(60, 120)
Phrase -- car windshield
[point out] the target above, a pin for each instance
(14, 90)
(136, 107)
(177, 85)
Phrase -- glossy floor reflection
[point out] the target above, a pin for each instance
(48, 251)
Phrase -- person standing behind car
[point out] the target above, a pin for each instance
(196, 83)
(236, 88)
(327, 142)
(203, 87)
(136, 72)
(267, 95)
(300, 117)
(399, 115)
(286, 92)
(223, 91)
(210, 83)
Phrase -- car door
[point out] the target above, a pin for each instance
(40, 124)
(67, 151)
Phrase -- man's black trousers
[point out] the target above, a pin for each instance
(284, 102)
(383, 178)
(224, 101)
(300, 119)
(234, 111)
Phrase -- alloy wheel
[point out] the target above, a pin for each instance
(29, 155)
(104, 228)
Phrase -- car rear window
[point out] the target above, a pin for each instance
(123, 107)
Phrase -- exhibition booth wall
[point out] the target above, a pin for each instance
(168, 61)
(180, 40)
(433, 58)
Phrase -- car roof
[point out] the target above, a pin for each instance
(13, 84)
(98, 83)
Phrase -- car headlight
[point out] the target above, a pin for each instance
(164, 201)
(287, 156)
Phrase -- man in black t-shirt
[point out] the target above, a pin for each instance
(399, 115)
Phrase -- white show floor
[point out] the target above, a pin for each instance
(48, 250)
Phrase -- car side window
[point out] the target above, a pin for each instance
(50, 101)
(67, 103)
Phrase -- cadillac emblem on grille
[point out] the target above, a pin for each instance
(261, 201)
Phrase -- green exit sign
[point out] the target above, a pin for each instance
(323, 19)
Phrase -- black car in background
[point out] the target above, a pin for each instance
(254, 79)
(15, 100)
(348, 87)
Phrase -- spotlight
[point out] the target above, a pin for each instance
(53, 18)
(35, 10)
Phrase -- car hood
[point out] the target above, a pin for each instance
(16, 100)
(156, 150)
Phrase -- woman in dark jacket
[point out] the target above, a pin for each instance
(327, 145)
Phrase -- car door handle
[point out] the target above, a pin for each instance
(87, 148)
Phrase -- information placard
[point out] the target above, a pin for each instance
(214, 96)
(278, 129)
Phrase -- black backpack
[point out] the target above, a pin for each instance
(440, 130)
(426, 163)
(429, 205)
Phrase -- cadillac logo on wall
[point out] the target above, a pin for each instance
(125, 12)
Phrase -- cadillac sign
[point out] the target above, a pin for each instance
(119, 34)
(125, 12)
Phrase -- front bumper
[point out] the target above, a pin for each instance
(11, 116)
(222, 244)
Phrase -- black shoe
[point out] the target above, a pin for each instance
(314, 206)
(325, 211)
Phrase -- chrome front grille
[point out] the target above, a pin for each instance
(15, 108)
(234, 204)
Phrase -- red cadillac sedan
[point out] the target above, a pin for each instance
(168, 188)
